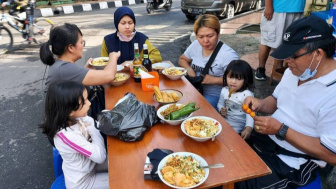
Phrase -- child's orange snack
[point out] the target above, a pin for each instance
(245, 107)
(248, 110)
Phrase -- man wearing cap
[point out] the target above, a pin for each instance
(300, 136)
(278, 15)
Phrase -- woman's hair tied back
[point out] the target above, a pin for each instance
(60, 38)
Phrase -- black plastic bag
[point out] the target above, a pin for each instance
(128, 120)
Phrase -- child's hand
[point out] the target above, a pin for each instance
(223, 112)
(245, 134)
(87, 121)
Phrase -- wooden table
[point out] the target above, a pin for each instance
(126, 159)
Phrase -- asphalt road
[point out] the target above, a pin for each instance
(25, 154)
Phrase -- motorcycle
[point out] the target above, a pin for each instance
(154, 5)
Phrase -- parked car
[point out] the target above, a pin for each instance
(220, 8)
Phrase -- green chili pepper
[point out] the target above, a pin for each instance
(187, 109)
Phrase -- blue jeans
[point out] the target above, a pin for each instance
(213, 100)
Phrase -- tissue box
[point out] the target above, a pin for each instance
(148, 83)
(147, 171)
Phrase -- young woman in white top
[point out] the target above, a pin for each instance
(75, 135)
(194, 59)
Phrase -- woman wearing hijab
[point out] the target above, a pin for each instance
(124, 38)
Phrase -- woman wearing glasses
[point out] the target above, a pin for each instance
(64, 47)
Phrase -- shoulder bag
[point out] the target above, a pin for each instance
(97, 99)
(197, 81)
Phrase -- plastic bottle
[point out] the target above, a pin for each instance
(137, 63)
(146, 63)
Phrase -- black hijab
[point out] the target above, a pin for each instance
(113, 43)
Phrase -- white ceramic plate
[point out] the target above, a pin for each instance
(171, 122)
(105, 59)
(120, 67)
(195, 156)
(201, 139)
(161, 65)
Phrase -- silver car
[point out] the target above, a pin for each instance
(220, 8)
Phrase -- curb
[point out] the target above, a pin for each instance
(70, 9)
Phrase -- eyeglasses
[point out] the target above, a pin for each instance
(83, 43)
(292, 58)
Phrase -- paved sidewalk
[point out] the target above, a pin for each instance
(250, 40)
(82, 7)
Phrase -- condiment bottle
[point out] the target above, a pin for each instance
(137, 63)
(146, 63)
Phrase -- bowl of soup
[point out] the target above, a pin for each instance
(201, 128)
(174, 73)
(120, 79)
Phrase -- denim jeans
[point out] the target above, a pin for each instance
(213, 100)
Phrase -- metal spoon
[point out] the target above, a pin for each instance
(213, 138)
(219, 165)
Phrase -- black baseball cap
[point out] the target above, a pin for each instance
(301, 32)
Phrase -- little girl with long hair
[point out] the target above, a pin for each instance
(238, 83)
(78, 141)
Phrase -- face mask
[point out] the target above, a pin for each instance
(125, 38)
(308, 73)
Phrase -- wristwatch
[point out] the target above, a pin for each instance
(281, 135)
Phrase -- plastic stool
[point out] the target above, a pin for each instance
(57, 163)
(276, 73)
(316, 184)
(59, 183)
(321, 14)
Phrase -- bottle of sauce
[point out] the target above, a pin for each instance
(146, 63)
(137, 63)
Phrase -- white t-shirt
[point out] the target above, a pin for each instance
(235, 116)
(79, 154)
(225, 55)
(309, 109)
